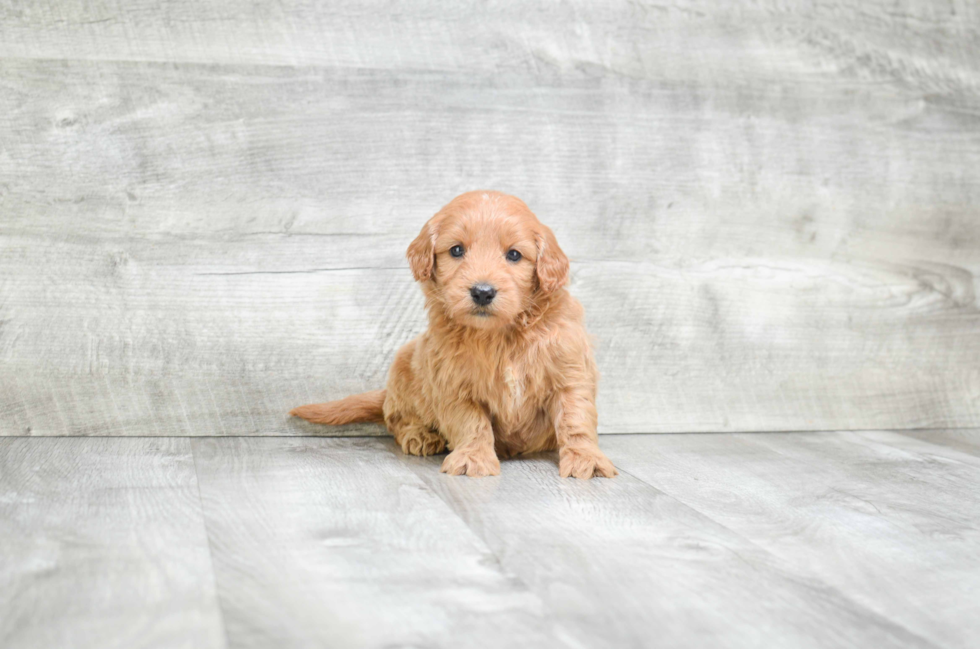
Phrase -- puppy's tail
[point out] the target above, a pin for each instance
(357, 407)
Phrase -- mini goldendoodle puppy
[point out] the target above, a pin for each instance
(506, 366)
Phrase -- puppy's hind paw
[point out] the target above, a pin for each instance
(584, 463)
(474, 463)
(423, 443)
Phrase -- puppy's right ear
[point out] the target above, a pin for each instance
(552, 265)
(421, 252)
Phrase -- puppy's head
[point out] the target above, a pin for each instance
(485, 259)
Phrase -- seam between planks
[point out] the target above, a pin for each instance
(452, 510)
(830, 587)
(207, 536)
(463, 72)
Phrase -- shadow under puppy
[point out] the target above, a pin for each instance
(505, 366)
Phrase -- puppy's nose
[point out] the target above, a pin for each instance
(482, 294)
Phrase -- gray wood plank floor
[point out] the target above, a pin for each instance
(332, 542)
(840, 539)
(102, 544)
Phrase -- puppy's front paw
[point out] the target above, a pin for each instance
(423, 442)
(584, 463)
(475, 463)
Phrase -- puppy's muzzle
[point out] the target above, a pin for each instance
(482, 294)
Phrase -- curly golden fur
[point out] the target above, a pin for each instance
(505, 366)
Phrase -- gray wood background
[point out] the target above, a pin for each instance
(771, 207)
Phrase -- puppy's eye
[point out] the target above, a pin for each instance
(456, 251)
(513, 255)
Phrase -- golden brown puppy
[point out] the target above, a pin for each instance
(505, 366)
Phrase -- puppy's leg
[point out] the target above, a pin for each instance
(578, 444)
(470, 435)
(403, 420)
(416, 438)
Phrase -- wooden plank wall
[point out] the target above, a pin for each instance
(771, 206)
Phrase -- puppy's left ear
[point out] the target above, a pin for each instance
(421, 252)
(552, 264)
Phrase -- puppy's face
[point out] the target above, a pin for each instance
(485, 258)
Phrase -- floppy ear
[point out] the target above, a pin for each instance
(421, 252)
(552, 265)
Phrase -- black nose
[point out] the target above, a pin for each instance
(482, 294)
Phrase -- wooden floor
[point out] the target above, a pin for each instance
(839, 539)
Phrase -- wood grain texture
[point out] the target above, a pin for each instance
(623, 564)
(770, 207)
(102, 544)
(740, 39)
(324, 542)
(886, 519)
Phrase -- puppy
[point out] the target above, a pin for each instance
(505, 366)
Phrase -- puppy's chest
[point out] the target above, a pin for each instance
(513, 393)
(513, 385)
